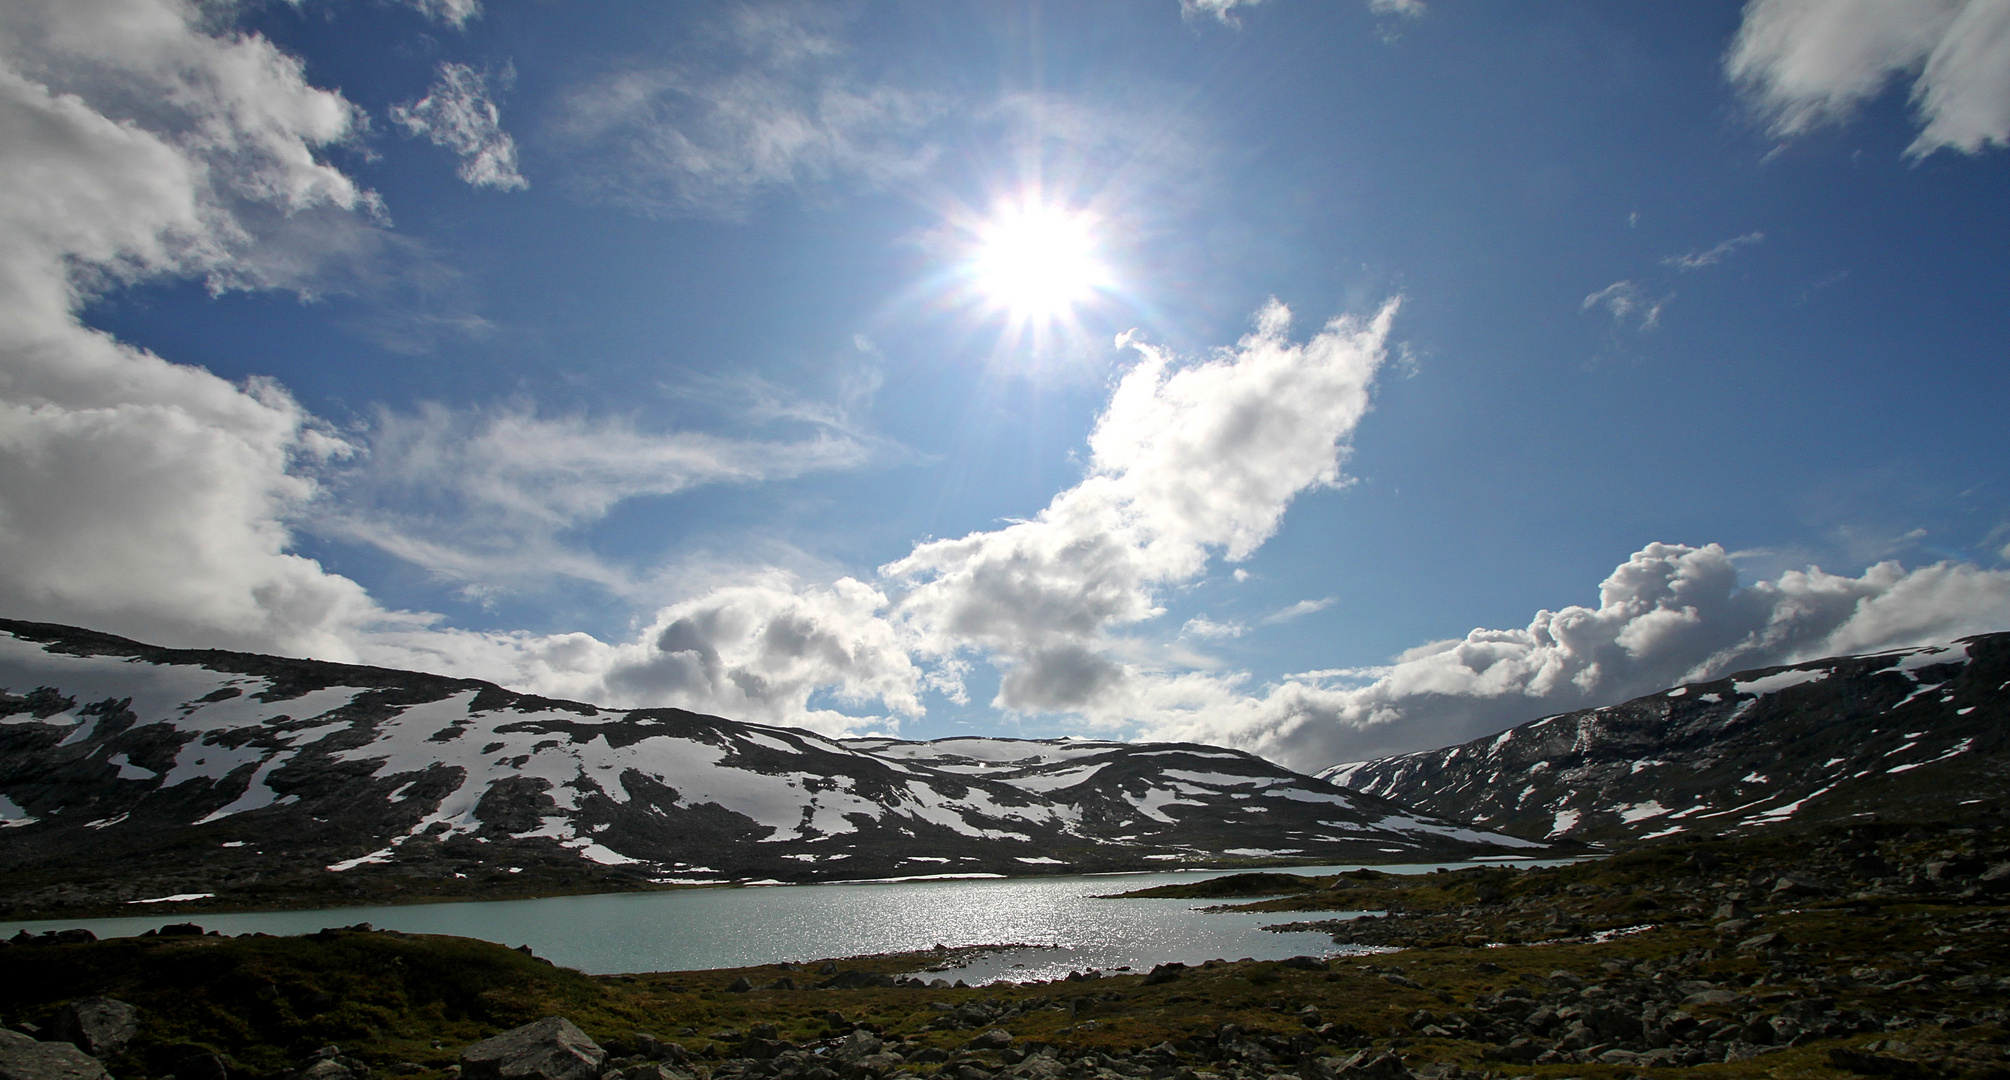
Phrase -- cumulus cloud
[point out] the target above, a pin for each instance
(1697, 260)
(1805, 63)
(1671, 613)
(460, 113)
(1626, 300)
(1186, 461)
(772, 101)
(137, 495)
(1189, 461)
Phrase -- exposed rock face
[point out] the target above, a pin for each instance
(1907, 733)
(255, 777)
(24, 1058)
(550, 1049)
(99, 1026)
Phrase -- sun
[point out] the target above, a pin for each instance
(1036, 261)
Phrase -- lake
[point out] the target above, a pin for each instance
(691, 929)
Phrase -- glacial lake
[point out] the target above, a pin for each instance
(1059, 922)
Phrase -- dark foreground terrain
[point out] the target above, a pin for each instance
(1878, 951)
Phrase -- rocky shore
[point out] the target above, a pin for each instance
(1877, 951)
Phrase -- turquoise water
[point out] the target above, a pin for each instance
(692, 929)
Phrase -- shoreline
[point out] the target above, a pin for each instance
(183, 910)
(1815, 955)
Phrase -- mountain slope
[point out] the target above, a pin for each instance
(130, 773)
(1907, 733)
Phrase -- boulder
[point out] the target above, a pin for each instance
(1165, 973)
(739, 986)
(1373, 1065)
(549, 1049)
(330, 1063)
(994, 1039)
(22, 1057)
(99, 1026)
(859, 1045)
(1304, 963)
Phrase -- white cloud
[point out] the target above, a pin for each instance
(137, 495)
(1627, 300)
(1221, 10)
(1697, 260)
(1670, 614)
(770, 101)
(1298, 610)
(454, 13)
(1185, 461)
(1188, 460)
(481, 496)
(1408, 9)
(460, 114)
(1201, 626)
(1810, 62)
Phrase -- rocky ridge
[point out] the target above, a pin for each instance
(1909, 733)
(137, 775)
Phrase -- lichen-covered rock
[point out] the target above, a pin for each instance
(550, 1049)
(22, 1057)
(995, 1039)
(99, 1026)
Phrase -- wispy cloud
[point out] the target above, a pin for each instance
(1298, 610)
(459, 112)
(454, 13)
(1222, 11)
(1805, 63)
(771, 101)
(1627, 300)
(484, 497)
(1408, 9)
(1201, 626)
(1697, 260)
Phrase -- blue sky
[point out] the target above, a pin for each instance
(1137, 369)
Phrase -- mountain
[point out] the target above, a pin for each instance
(1906, 734)
(129, 773)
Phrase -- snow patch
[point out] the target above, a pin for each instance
(374, 857)
(12, 816)
(1641, 811)
(1773, 684)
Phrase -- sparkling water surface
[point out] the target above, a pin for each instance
(691, 929)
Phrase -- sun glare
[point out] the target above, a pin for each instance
(1036, 261)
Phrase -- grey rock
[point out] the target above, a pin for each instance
(331, 1069)
(549, 1049)
(739, 986)
(994, 1039)
(99, 1026)
(1374, 1065)
(859, 1045)
(23, 1057)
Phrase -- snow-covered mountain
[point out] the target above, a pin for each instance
(1902, 734)
(130, 773)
